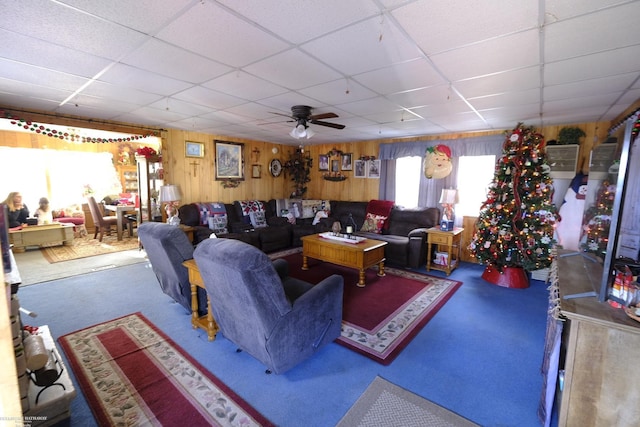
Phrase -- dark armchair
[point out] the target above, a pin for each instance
(279, 320)
(167, 247)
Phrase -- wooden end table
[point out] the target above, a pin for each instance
(206, 322)
(448, 239)
(354, 255)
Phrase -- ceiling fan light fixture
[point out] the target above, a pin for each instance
(301, 131)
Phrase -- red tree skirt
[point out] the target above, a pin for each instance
(511, 277)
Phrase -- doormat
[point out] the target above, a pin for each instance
(384, 404)
(131, 373)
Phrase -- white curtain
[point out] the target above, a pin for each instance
(59, 175)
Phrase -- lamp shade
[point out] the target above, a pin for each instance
(449, 197)
(170, 193)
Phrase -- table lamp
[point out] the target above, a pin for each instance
(448, 198)
(170, 194)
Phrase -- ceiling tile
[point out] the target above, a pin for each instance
(592, 33)
(125, 75)
(441, 26)
(338, 92)
(421, 97)
(506, 99)
(609, 63)
(409, 75)
(293, 69)
(112, 92)
(40, 76)
(516, 80)
(368, 45)
(244, 85)
(489, 57)
(42, 19)
(583, 88)
(208, 98)
(298, 21)
(221, 36)
(162, 58)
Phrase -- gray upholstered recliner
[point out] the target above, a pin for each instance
(279, 320)
(167, 247)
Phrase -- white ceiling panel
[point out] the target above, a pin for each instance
(162, 58)
(442, 26)
(368, 45)
(408, 75)
(293, 69)
(221, 36)
(489, 57)
(244, 85)
(298, 21)
(225, 65)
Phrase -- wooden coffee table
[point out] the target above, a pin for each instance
(360, 255)
(38, 235)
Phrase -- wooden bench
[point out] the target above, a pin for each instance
(39, 235)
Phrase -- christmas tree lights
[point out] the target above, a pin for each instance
(515, 224)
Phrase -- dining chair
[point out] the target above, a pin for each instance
(101, 222)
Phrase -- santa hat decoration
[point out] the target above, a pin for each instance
(440, 149)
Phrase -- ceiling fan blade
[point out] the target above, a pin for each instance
(323, 116)
(331, 125)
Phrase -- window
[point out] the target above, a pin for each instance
(475, 173)
(408, 170)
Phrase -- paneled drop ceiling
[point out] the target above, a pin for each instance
(387, 68)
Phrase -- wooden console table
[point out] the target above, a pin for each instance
(598, 351)
(38, 235)
(205, 322)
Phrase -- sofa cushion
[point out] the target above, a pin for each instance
(248, 206)
(258, 219)
(402, 221)
(205, 210)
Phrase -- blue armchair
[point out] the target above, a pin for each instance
(278, 320)
(167, 247)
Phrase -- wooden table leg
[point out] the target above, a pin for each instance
(305, 266)
(361, 276)
(194, 306)
(212, 327)
(381, 269)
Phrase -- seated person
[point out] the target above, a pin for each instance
(18, 213)
(43, 213)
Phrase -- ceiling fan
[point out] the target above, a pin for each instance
(301, 114)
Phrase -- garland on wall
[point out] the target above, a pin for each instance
(67, 136)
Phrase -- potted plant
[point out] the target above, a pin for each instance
(299, 167)
(570, 135)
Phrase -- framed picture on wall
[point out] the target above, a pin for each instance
(360, 169)
(229, 160)
(374, 169)
(193, 149)
(323, 162)
(256, 171)
(346, 163)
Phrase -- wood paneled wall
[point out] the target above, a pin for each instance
(196, 176)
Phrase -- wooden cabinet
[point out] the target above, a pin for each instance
(598, 351)
(150, 179)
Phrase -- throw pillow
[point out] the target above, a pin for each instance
(380, 207)
(373, 223)
(218, 223)
(258, 219)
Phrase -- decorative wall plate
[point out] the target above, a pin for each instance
(275, 167)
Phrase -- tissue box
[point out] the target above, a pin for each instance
(442, 258)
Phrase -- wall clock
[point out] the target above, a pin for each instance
(275, 167)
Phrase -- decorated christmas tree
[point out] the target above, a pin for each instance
(515, 224)
(598, 220)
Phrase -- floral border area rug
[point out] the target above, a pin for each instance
(382, 318)
(131, 373)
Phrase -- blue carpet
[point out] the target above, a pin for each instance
(480, 356)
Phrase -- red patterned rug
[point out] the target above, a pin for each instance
(133, 374)
(382, 318)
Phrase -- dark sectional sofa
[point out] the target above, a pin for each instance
(406, 232)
